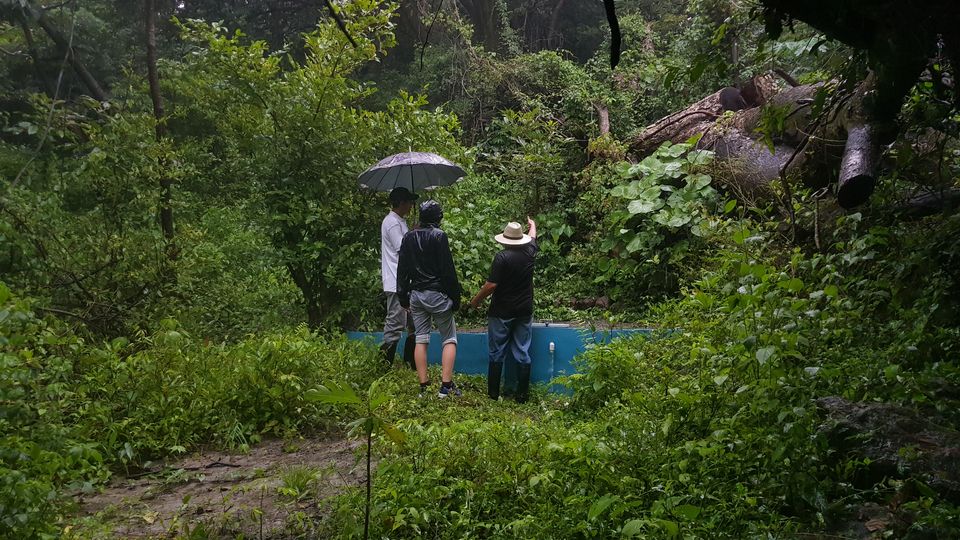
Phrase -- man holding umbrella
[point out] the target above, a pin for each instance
(392, 229)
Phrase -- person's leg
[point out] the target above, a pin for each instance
(447, 361)
(443, 318)
(421, 323)
(520, 336)
(410, 343)
(497, 345)
(420, 359)
(448, 336)
(392, 327)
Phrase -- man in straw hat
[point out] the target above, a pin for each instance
(510, 316)
(392, 229)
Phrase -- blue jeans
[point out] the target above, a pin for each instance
(512, 333)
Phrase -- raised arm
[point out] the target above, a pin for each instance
(531, 228)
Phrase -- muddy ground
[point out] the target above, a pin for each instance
(279, 489)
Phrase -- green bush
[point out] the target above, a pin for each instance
(69, 409)
(42, 451)
(709, 430)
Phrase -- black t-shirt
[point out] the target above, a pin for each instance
(512, 272)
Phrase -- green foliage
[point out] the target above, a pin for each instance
(230, 281)
(672, 192)
(654, 218)
(296, 136)
(71, 409)
(368, 424)
(771, 124)
(708, 429)
(473, 214)
(527, 150)
(41, 450)
(298, 482)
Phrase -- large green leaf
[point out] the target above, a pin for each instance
(643, 206)
(687, 511)
(632, 528)
(333, 393)
(600, 505)
(394, 434)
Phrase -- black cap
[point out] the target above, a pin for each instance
(430, 213)
(401, 194)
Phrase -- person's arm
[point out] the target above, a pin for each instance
(448, 272)
(496, 274)
(394, 237)
(403, 276)
(531, 228)
(485, 291)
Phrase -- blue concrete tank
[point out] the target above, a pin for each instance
(548, 361)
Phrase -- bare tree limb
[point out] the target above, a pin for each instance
(340, 23)
(34, 53)
(12, 53)
(67, 46)
(429, 29)
(786, 77)
(603, 115)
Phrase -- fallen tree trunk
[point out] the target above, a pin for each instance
(838, 143)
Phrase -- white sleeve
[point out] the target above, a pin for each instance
(394, 237)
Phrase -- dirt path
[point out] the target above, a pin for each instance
(277, 490)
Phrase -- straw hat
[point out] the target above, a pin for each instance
(513, 235)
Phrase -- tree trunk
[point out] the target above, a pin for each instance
(409, 32)
(554, 37)
(844, 142)
(160, 131)
(35, 55)
(484, 14)
(900, 37)
(603, 118)
(314, 308)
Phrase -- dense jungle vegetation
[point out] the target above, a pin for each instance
(183, 243)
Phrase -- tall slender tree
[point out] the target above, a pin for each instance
(153, 76)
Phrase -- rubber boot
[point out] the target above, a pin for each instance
(523, 382)
(494, 369)
(389, 352)
(408, 346)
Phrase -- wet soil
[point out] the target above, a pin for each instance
(279, 489)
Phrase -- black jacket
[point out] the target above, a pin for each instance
(426, 264)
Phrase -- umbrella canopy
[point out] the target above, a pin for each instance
(415, 171)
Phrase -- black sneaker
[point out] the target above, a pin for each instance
(449, 389)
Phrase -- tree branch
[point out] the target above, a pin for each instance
(340, 23)
(88, 80)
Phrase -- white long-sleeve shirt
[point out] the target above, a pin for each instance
(391, 234)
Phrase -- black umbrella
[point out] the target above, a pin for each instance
(415, 171)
